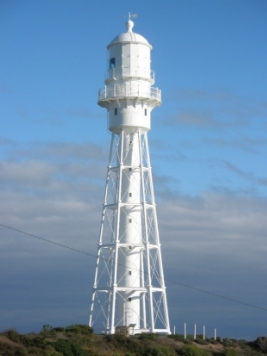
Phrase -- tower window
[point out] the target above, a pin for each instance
(130, 169)
(115, 111)
(130, 194)
(112, 63)
(131, 142)
(145, 112)
(130, 220)
(130, 273)
(129, 299)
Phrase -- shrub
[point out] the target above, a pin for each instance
(12, 335)
(79, 329)
(35, 351)
(201, 341)
(259, 344)
(177, 337)
(47, 327)
(40, 342)
(67, 348)
(148, 336)
(130, 344)
(158, 350)
(58, 329)
(227, 343)
(193, 350)
(231, 352)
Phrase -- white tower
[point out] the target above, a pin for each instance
(129, 288)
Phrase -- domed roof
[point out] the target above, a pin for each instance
(129, 36)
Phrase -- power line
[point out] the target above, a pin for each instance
(166, 279)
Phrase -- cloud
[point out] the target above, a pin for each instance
(244, 143)
(7, 142)
(250, 177)
(241, 173)
(81, 113)
(192, 118)
(62, 151)
(217, 109)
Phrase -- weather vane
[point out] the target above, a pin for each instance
(131, 16)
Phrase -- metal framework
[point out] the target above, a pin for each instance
(109, 289)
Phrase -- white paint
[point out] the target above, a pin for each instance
(129, 269)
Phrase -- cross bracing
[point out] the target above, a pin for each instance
(129, 281)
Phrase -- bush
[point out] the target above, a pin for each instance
(35, 351)
(231, 352)
(47, 327)
(227, 343)
(79, 329)
(128, 344)
(12, 335)
(201, 341)
(177, 337)
(259, 344)
(158, 350)
(58, 329)
(67, 348)
(148, 336)
(193, 350)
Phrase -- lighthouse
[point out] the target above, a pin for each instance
(129, 288)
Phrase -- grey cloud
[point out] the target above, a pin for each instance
(194, 119)
(252, 145)
(241, 173)
(74, 150)
(246, 175)
(81, 113)
(263, 181)
(7, 142)
(218, 109)
(33, 172)
(61, 150)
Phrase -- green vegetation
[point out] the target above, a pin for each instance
(79, 340)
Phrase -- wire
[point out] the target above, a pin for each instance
(165, 279)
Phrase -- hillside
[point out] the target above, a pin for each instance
(79, 340)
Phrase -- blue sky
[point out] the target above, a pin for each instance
(208, 150)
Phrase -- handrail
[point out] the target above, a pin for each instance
(129, 72)
(126, 90)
